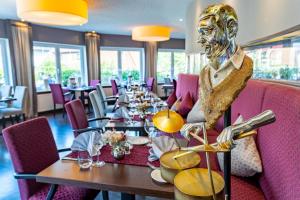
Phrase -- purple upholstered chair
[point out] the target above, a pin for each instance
(150, 84)
(114, 87)
(78, 119)
(58, 95)
(94, 83)
(32, 148)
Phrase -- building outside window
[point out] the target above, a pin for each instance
(170, 63)
(278, 62)
(119, 63)
(57, 63)
(5, 66)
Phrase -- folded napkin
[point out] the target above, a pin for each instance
(121, 112)
(163, 144)
(123, 99)
(85, 142)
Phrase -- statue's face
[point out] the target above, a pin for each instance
(212, 38)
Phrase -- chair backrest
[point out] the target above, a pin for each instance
(57, 93)
(20, 94)
(97, 106)
(150, 83)
(32, 148)
(76, 115)
(174, 84)
(5, 91)
(93, 83)
(102, 97)
(114, 87)
(187, 83)
(167, 80)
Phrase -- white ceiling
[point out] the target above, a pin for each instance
(120, 16)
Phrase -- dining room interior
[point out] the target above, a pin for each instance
(150, 99)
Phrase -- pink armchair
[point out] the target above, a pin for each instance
(58, 96)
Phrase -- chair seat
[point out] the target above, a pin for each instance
(11, 111)
(109, 108)
(66, 192)
(242, 189)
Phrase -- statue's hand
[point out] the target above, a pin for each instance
(225, 139)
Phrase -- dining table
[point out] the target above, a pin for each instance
(128, 179)
(82, 90)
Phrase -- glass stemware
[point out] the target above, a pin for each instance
(97, 146)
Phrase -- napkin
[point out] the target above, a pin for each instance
(123, 99)
(85, 142)
(163, 144)
(121, 112)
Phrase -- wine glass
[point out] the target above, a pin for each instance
(97, 146)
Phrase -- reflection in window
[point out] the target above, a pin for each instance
(120, 63)
(57, 63)
(170, 63)
(277, 62)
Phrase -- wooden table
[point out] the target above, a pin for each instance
(127, 179)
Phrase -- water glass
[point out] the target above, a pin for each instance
(84, 160)
(97, 146)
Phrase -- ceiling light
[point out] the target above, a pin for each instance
(53, 12)
(151, 33)
(181, 20)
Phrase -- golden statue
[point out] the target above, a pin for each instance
(229, 68)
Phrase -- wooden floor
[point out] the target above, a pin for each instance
(63, 137)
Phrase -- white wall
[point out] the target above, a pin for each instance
(257, 18)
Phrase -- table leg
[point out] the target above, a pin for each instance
(126, 196)
(51, 192)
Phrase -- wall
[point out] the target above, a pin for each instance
(257, 18)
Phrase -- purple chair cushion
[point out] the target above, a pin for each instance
(76, 114)
(279, 144)
(114, 87)
(171, 99)
(94, 83)
(57, 93)
(186, 105)
(66, 192)
(245, 190)
(150, 83)
(187, 83)
(32, 148)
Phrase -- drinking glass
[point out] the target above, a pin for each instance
(84, 160)
(97, 146)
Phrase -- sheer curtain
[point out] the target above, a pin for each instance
(92, 41)
(21, 48)
(151, 62)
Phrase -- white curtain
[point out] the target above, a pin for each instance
(21, 44)
(92, 41)
(151, 62)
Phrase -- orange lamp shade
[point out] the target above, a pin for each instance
(151, 33)
(168, 121)
(53, 12)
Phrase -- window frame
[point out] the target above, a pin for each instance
(172, 51)
(7, 68)
(119, 59)
(57, 47)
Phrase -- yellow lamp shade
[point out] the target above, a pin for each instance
(53, 12)
(168, 121)
(151, 33)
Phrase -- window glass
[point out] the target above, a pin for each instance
(276, 62)
(109, 66)
(164, 65)
(5, 67)
(44, 67)
(131, 65)
(119, 63)
(179, 63)
(70, 65)
(57, 63)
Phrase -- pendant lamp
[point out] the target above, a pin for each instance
(151, 33)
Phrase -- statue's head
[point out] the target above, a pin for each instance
(217, 28)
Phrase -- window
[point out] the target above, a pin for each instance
(5, 67)
(119, 63)
(170, 63)
(56, 63)
(279, 62)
